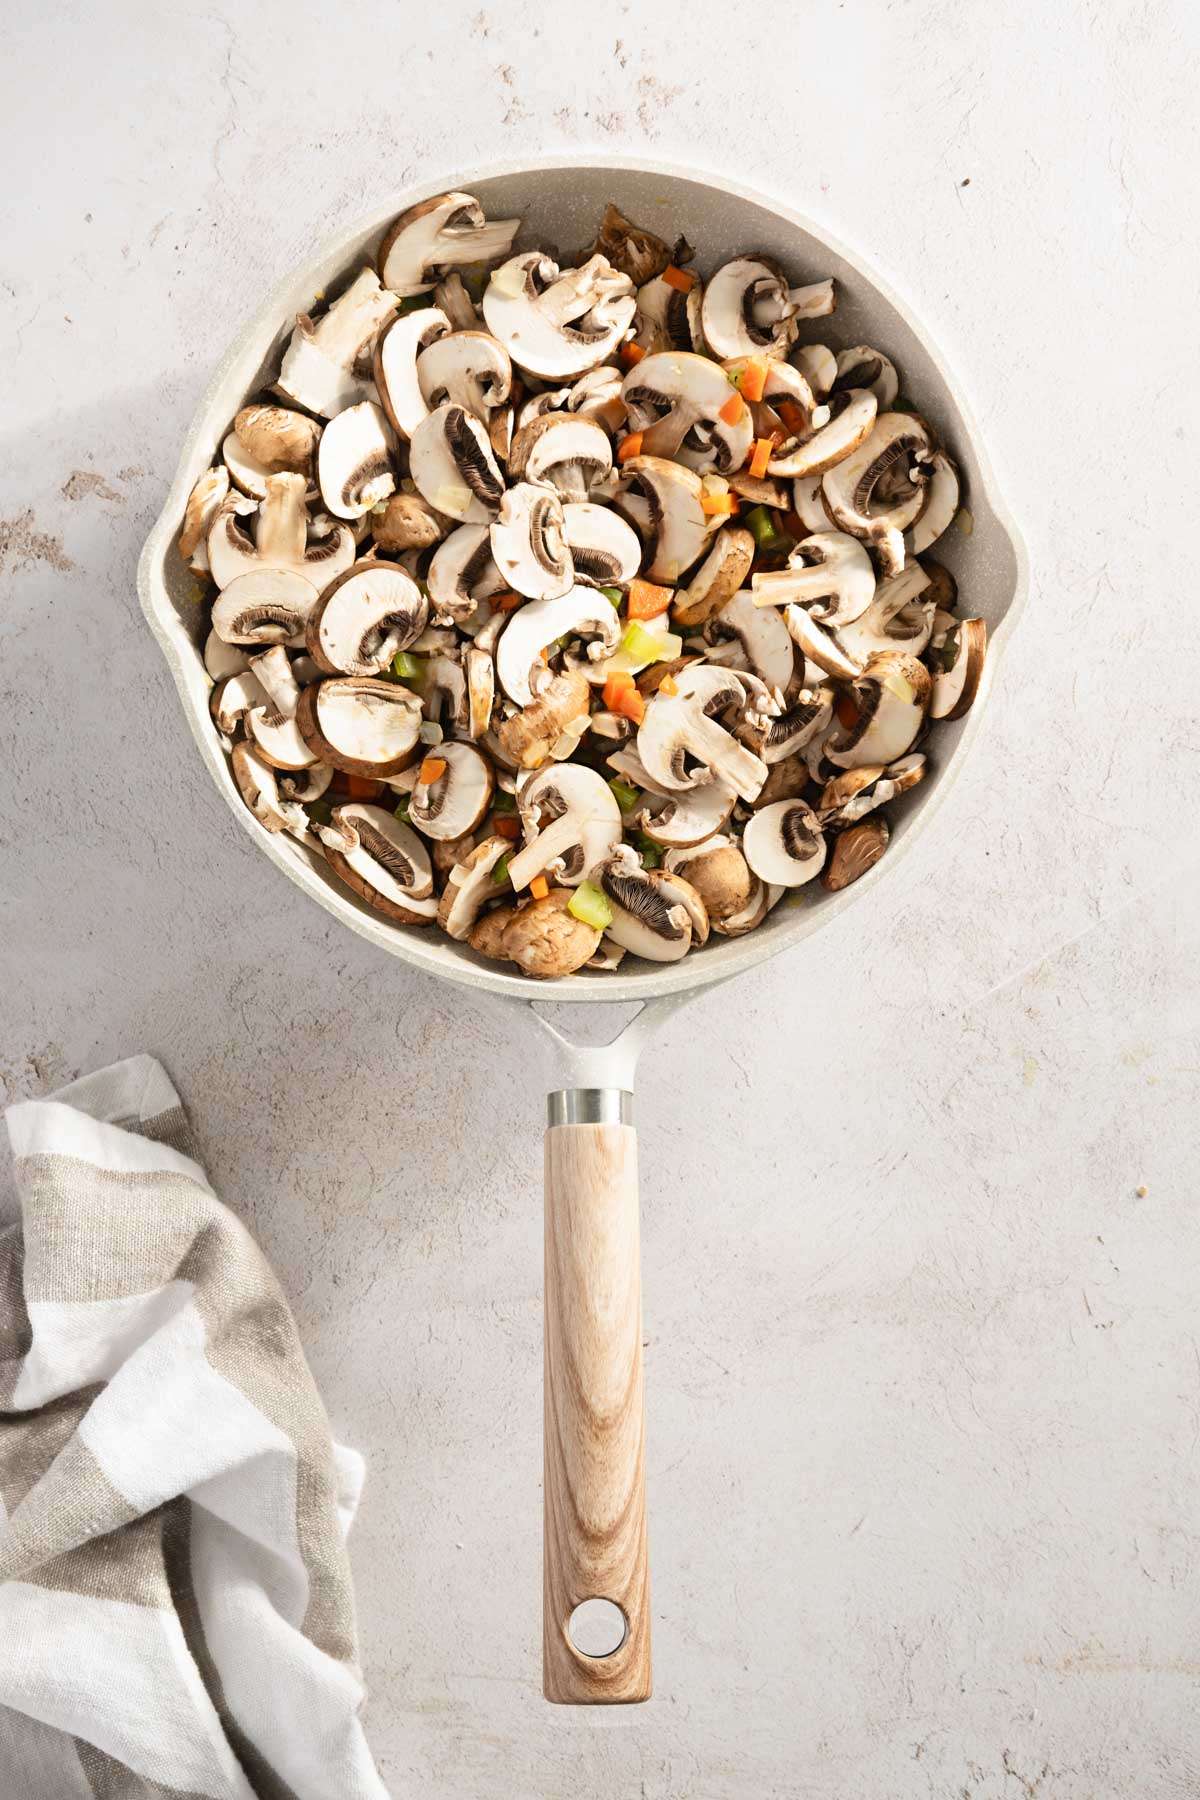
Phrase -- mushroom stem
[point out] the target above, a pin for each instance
(282, 524)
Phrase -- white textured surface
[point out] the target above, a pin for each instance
(923, 1365)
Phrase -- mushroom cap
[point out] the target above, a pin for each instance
(892, 695)
(364, 618)
(468, 369)
(535, 627)
(256, 783)
(804, 717)
(469, 886)
(830, 574)
(656, 915)
(746, 310)
(557, 324)
(544, 939)
(528, 542)
(900, 617)
(662, 501)
(354, 461)
(569, 450)
(852, 418)
(446, 232)
(667, 318)
(452, 464)
(941, 504)
(675, 399)
(264, 606)
(854, 852)
(719, 576)
(405, 522)
(638, 253)
(850, 796)
(486, 936)
(281, 536)
(457, 799)
(750, 917)
(204, 502)
(818, 365)
(397, 348)
(897, 444)
(959, 668)
(861, 367)
(719, 873)
(383, 861)
(233, 697)
(222, 659)
(676, 819)
(359, 725)
(762, 634)
(527, 738)
(784, 844)
(275, 438)
(684, 725)
(571, 822)
(605, 550)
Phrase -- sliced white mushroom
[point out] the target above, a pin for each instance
(469, 886)
(581, 612)
(675, 399)
(204, 504)
(672, 817)
(851, 418)
(222, 659)
(719, 577)
(655, 915)
(256, 782)
(681, 743)
(668, 318)
(662, 501)
(327, 364)
(751, 915)
(529, 544)
(892, 696)
(276, 738)
(360, 725)
(462, 574)
(749, 310)
(279, 680)
(281, 538)
(850, 796)
(637, 253)
(364, 618)
(862, 367)
(527, 739)
(354, 461)
(784, 844)
(453, 466)
(567, 450)
(941, 507)
(900, 617)
(807, 503)
(396, 351)
(451, 295)
(479, 669)
(558, 324)
(818, 365)
(597, 395)
(830, 574)
(605, 550)
(468, 369)
(232, 699)
(383, 861)
(762, 634)
(958, 660)
(452, 792)
(822, 649)
(854, 852)
(305, 785)
(405, 523)
(429, 240)
(803, 718)
(265, 606)
(571, 821)
(897, 450)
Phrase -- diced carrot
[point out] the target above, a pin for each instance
(505, 602)
(792, 416)
(668, 685)
(753, 381)
(682, 280)
(621, 697)
(539, 887)
(733, 409)
(431, 770)
(847, 712)
(630, 446)
(713, 504)
(544, 653)
(631, 353)
(646, 599)
(506, 825)
(360, 787)
(760, 456)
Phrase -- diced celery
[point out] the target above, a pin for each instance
(401, 811)
(613, 595)
(413, 303)
(320, 812)
(625, 794)
(503, 803)
(761, 526)
(500, 872)
(590, 905)
(406, 667)
(650, 852)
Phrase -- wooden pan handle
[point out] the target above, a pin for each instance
(595, 1502)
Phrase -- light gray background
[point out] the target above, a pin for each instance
(920, 1200)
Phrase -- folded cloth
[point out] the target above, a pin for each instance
(176, 1613)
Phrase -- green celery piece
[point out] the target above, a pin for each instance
(590, 905)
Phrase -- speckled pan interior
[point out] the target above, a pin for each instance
(561, 202)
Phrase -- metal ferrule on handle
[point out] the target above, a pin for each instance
(589, 1106)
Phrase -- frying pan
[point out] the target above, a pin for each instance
(596, 1614)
